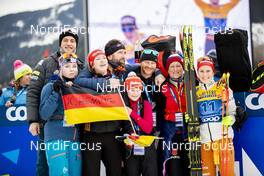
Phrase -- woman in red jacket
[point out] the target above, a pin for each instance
(172, 106)
(140, 160)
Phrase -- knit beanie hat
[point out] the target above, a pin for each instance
(21, 69)
(112, 46)
(149, 54)
(205, 61)
(133, 81)
(68, 33)
(174, 58)
(91, 57)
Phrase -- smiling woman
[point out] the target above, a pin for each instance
(98, 63)
(172, 108)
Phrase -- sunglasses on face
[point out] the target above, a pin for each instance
(69, 57)
(150, 51)
(128, 27)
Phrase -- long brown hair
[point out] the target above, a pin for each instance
(17, 87)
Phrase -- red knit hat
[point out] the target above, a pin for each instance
(174, 58)
(205, 61)
(133, 81)
(93, 55)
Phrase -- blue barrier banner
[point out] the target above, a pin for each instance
(249, 142)
(17, 150)
(13, 116)
(18, 146)
(253, 103)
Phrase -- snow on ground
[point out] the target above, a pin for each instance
(48, 28)
(39, 41)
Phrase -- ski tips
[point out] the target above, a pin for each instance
(227, 75)
(186, 29)
(227, 78)
(224, 76)
(224, 79)
(190, 29)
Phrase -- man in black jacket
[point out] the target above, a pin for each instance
(43, 72)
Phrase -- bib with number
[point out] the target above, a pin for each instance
(210, 104)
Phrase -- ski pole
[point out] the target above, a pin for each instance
(222, 85)
(227, 113)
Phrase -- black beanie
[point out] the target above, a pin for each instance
(112, 46)
(68, 33)
(149, 54)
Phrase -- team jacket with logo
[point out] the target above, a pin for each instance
(209, 99)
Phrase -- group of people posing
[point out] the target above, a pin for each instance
(156, 106)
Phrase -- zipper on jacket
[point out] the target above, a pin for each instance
(205, 87)
(74, 134)
(210, 132)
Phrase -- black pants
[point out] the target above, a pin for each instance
(146, 165)
(101, 147)
(178, 166)
(42, 164)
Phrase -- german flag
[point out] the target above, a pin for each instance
(82, 105)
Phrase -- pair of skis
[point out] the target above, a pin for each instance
(192, 115)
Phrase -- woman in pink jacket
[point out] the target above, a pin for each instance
(139, 160)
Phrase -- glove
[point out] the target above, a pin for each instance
(227, 121)
(57, 85)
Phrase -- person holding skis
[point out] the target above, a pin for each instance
(172, 106)
(217, 108)
(65, 159)
(139, 159)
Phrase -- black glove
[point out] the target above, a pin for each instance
(57, 85)
(241, 117)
